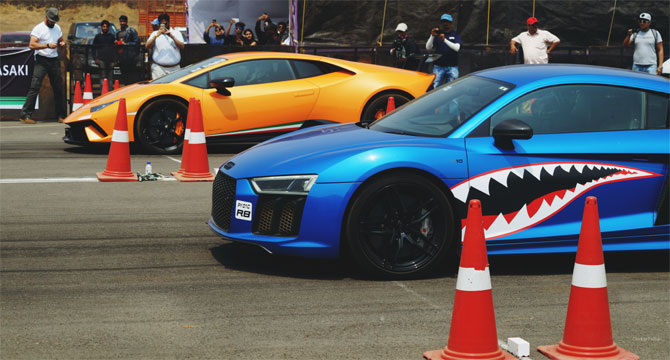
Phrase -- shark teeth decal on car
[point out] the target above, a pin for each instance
(516, 198)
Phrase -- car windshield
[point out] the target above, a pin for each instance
(188, 70)
(15, 38)
(444, 109)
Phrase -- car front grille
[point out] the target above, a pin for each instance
(278, 215)
(223, 200)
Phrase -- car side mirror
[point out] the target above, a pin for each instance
(70, 37)
(509, 130)
(221, 85)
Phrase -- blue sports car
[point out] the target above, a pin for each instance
(530, 142)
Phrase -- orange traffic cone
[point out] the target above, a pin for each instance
(88, 90)
(118, 161)
(78, 100)
(588, 329)
(390, 104)
(116, 84)
(105, 87)
(197, 163)
(473, 326)
(187, 133)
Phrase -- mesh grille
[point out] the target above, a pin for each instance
(223, 200)
(278, 215)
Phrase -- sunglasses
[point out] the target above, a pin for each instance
(644, 21)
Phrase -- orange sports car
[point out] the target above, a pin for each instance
(246, 98)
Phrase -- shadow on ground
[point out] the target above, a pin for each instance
(244, 257)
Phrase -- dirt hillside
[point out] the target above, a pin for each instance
(24, 15)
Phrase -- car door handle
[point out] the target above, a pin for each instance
(303, 93)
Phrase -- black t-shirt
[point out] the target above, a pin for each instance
(105, 49)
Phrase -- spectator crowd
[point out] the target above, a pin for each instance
(122, 49)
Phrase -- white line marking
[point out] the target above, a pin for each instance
(47, 180)
(173, 159)
(404, 287)
(28, 126)
(62, 180)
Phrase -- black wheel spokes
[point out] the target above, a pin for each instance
(160, 130)
(406, 246)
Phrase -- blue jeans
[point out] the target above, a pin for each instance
(645, 68)
(444, 74)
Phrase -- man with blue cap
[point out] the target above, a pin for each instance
(447, 43)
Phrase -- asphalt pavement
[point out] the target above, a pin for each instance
(93, 270)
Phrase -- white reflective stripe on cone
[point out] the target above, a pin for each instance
(88, 96)
(76, 106)
(120, 136)
(187, 134)
(470, 279)
(589, 276)
(196, 138)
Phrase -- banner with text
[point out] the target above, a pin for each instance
(16, 70)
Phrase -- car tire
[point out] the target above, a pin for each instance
(377, 107)
(400, 226)
(160, 126)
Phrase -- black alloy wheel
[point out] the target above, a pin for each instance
(377, 107)
(161, 126)
(400, 226)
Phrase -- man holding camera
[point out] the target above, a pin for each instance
(404, 49)
(219, 37)
(648, 55)
(166, 47)
(447, 43)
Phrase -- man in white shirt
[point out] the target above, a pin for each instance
(45, 38)
(648, 55)
(166, 45)
(534, 43)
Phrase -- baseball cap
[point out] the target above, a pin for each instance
(531, 20)
(52, 14)
(155, 22)
(401, 27)
(645, 16)
(446, 17)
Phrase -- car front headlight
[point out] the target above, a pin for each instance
(100, 107)
(284, 185)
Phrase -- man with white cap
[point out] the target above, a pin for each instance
(648, 55)
(404, 48)
(45, 38)
(447, 43)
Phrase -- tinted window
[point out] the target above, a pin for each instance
(441, 111)
(255, 72)
(657, 111)
(577, 108)
(188, 70)
(306, 68)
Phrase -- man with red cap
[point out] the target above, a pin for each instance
(534, 43)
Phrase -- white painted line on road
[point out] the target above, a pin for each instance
(28, 126)
(61, 180)
(404, 287)
(173, 159)
(47, 180)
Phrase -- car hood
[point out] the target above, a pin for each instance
(348, 153)
(129, 92)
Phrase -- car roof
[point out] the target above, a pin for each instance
(521, 75)
(16, 33)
